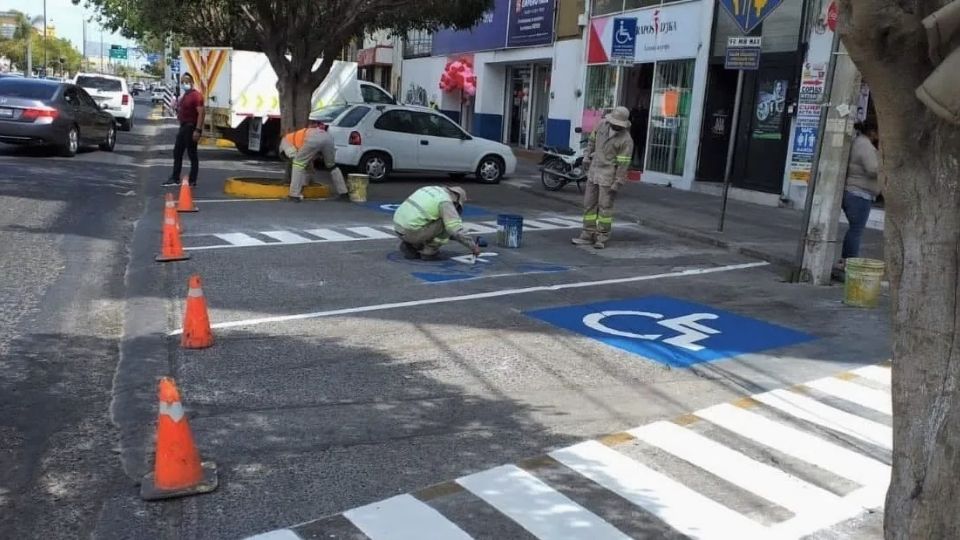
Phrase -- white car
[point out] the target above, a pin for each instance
(380, 139)
(111, 94)
(156, 95)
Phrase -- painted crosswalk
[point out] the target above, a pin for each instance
(199, 242)
(781, 464)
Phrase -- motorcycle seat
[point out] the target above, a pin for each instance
(562, 150)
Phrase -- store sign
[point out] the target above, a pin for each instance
(531, 23)
(664, 33)
(743, 53)
(488, 34)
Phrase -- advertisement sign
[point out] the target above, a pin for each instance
(812, 82)
(490, 33)
(531, 23)
(771, 102)
(663, 33)
(624, 36)
(805, 140)
(743, 53)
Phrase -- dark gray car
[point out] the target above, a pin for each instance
(41, 112)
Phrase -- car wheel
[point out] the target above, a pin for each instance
(111, 141)
(127, 124)
(376, 165)
(72, 143)
(490, 170)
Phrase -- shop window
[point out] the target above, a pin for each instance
(634, 4)
(418, 43)
(606, 7)
(670, 117)
(601, 94)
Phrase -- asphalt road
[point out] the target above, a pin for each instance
(341, 374)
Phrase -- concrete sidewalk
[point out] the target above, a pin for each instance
(759, 231)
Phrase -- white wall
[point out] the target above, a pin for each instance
(567, 80)
(421, 77)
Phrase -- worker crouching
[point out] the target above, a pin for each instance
(310, 148)
(428, 219)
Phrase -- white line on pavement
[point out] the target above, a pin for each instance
(403, 518)
(878, 374)
(829, 417)
(239, 239)
(480, 296)
(856, 393)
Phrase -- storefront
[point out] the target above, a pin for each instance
(651, 61)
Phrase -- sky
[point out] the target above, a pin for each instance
(68, 20)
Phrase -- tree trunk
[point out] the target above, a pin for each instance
(920, 175)
(295, 90)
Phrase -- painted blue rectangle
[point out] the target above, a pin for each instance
(558, 132)
(671, 331)
(489, 33)
(487, 126)
(388, 207)
(451, 267)
(805, 140)
(623, 39)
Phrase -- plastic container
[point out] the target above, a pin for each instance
(862, 282)
(357, 187)
(509, 230)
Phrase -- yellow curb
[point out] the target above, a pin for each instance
(219, 143)
(269, 188)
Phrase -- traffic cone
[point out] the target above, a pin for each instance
(170, 210)
(185, 204)
(171, 249)
(196, 321)
(177, 469)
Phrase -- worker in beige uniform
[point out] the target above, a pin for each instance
(309, 147)
(428, 219)
(607, 160)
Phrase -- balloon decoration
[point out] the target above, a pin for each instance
(459, 75)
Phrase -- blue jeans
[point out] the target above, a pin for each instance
(857, 210)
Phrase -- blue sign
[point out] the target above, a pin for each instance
(390, 208)
(489, 33)
(462, 267)
(670, 331)
(531, 23)
(624, 38)
(804, 140)
(748, 14)
(153, 58)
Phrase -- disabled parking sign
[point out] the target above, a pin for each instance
(670, 331)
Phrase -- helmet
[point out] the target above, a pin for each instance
(460, 192)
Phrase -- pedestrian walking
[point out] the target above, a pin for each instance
(607, 160)
(428, 219)
(309, 148)
(190, 113)
(862, 186)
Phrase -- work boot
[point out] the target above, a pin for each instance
(582, 240)
(170, 182)
(294, 198)
(599, 244)
(409, 252)
(429, 255)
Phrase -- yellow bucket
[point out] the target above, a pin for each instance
(357, 187)
(862, 284)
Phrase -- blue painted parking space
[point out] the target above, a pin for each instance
(671, 331)
(462, 268)
(388, 207)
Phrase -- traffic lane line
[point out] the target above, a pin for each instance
(481, 296)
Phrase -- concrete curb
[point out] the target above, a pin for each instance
(216, 143)
(269, 188)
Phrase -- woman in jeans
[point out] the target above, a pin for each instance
(861, 186)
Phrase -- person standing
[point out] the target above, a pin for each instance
(307, 147)
(190, 113)
(607, 161)
(862, 186)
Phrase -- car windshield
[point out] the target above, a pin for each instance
(99, 83)
(329, 114)
(27, 88)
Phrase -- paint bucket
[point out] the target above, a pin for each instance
(862, 284)
(357, 187)
(509, 230)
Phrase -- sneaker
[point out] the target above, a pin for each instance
(408, 251)
(291, 198)
(578, 241)
(599, 245)
(170, 182)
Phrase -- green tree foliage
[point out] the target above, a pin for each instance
(56, 48)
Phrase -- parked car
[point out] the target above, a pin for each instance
(156, 95)
(37, 111)
(112, 95)
(380, 139)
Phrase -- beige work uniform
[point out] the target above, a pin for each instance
(304, 147)
(608, 153)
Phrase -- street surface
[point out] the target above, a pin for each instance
(363, 395)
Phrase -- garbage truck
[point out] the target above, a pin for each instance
(241, 98)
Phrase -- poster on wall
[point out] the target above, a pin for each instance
(531, 23)
(771, 102)
(488, 34)
(663, 33)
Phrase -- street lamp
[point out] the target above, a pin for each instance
(44, 38)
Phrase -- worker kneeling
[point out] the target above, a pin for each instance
(428, 219)
(309, 147)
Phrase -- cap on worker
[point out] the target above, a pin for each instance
(619, 116)
(461, 193)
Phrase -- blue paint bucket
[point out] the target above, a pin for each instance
(509, 230)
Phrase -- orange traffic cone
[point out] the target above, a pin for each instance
(185, 204)
(170, 210)
(171, 249)
(177, 469)
(196, 321)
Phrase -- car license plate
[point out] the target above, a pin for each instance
(6, 113)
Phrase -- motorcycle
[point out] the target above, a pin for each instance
(560, 166)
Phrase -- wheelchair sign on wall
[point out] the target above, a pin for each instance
(391, 207)
(671, 331)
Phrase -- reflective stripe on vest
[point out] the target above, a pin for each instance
(297, 138)
(421, 208)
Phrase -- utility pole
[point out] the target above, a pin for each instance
(44, 38)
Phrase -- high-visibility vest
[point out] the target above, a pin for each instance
(421, 208)
(297, 138)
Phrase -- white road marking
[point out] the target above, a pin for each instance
(793, 442)
(481, 228)
(239, 239)
(279, 534)
(678, 506)
(815, 412)
(537, 507)
(286, 237)
(198, 201)
(403, 517)
(849, 507)
(480, 296)
(330, 235)
(880, 374)
(855, 393)
(759, 478)
(540, 225)
(565, 222)
(370, 232)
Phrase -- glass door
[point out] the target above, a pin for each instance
(541, 105)
(518, 124)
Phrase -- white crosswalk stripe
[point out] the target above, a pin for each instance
(286, 237)
(239, 239)
(827, 484)
(371, 233)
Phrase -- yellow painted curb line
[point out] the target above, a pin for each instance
(219, 143)
(269, 188)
